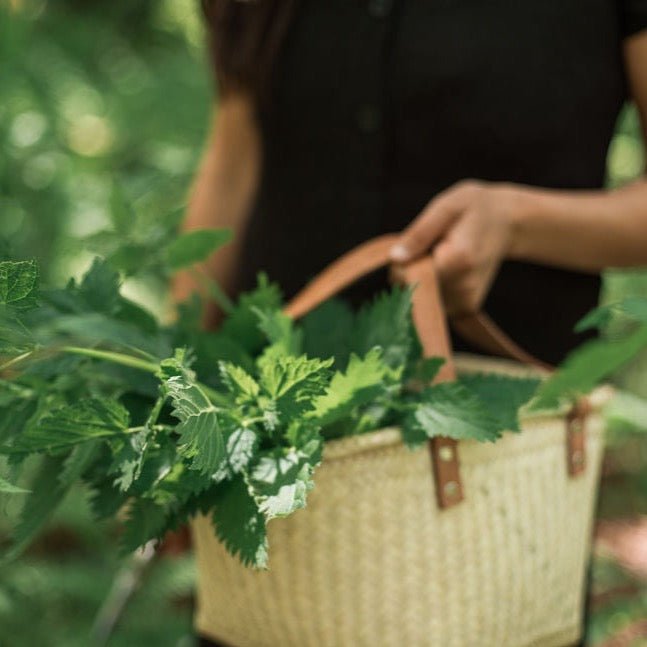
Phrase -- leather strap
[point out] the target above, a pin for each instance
(478, 329)
(431, 325)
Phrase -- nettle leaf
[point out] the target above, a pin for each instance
(145, 520)
(386, 323)
(18, 281)
(76, 423)
(127, 462)
(241, 447)
(282, 477)
(293, 382)
(51, 483)
(631, 307)
(99, 287)
(503, 395)
(242, 322)
(587, 366)
(240, 525)
(242, 386)
(279, 330)
(449, 409)
(195, 247)
(201, 436)
(363, 381)
(9, 488)
(327, 331)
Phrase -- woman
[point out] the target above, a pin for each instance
(478, 129)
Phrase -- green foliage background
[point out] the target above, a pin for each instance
(106, 104)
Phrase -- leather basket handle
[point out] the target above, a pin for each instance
(431, 326)
(370, 256)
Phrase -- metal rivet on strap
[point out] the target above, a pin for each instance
(451, 489)
(446, 454)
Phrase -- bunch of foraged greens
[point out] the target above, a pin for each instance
(170, 420)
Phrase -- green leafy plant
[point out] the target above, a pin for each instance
(164, 421)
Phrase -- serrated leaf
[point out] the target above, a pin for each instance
(242, 322)
(201, 438)
(240, 525)
(242, 386)
(77, 461)
(448, 409)
(76, 423)
(240, 449)
(145, 520)
(47, 494)
(127, 462)
(99, 287)
(363, 381)
(195, 247)
(631, 306)
(9, 488)
(503, 395)
(587, 366)
(280, 332)
(327, 331)
(293, 382)
(386, 323)
(18, 281)
(281, 478)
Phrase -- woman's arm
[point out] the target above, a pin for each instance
(223, 192)
(474, 226)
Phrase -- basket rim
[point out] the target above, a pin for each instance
(381, 439)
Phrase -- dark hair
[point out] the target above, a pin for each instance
(244, 39)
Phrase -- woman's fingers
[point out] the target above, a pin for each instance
(430, 225)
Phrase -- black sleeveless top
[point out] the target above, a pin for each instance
(377, 105)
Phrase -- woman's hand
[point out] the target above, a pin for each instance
(469, 228)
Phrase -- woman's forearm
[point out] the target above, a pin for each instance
(581, 230)
(223, 192)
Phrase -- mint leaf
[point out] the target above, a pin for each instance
(201, 437)
(587, 366)
(18, 281)
(363, 381)
(195, 246)
(448, 409)
(503, 395)
(385, 323)
(76, 423)
(240, 525)
(632, 307)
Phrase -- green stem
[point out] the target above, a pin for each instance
(213, 290)
(117, 358)
(134, 362)
(15, 360)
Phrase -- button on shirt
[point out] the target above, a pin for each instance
(378, 105)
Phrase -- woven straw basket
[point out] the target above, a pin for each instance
(381, 557)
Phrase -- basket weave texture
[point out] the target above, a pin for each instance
(373, 562)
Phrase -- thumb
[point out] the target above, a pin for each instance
(423, 232)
